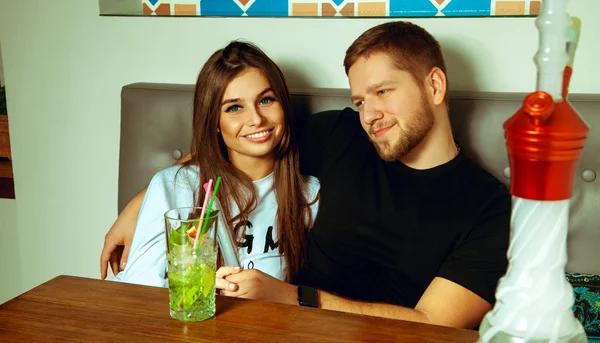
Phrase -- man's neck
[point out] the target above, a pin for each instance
(437, 148)
(255, 168)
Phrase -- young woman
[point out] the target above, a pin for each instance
(243, 133)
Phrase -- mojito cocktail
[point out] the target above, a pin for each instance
(191, 271)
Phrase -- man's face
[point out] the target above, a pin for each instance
(394, 110)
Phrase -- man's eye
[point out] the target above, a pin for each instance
(358, 103)
(383, 91)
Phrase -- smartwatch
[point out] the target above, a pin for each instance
(308, 296)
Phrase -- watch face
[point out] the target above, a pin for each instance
(308, 296)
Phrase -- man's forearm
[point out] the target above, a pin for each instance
(443, 303)
(329, 301)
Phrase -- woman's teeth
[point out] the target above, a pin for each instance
(258, 135)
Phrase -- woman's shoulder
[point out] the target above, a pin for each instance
(177, 176)
(312, 187)
(175, 186)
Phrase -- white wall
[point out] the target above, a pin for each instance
(64, 67)
(1, 70)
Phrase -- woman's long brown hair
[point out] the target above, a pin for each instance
(210, 152)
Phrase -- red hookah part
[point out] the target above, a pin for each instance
(544, 140)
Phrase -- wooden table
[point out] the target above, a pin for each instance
(74, 309)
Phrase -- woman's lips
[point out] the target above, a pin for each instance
(259, 137)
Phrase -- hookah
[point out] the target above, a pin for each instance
(544, 140)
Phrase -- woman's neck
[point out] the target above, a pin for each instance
(255, 168)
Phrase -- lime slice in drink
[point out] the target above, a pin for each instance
(209, 280)
(177, 237)
(178, 279)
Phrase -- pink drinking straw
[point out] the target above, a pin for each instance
(214, 195)
(206, 196)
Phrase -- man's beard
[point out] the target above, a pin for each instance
(417, 127)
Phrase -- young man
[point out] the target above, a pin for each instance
(408, 226)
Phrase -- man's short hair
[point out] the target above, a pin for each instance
(410, 46)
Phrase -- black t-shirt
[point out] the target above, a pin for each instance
(384, 231)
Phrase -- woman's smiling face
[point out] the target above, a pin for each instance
(252, 119)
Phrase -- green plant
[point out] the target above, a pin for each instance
(3, 100)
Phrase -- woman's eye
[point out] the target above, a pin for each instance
(233, 109)
(266, 101)
(383, 91)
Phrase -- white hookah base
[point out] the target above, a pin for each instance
(534, 299)
(504, 337)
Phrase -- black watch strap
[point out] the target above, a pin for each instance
(308, 296)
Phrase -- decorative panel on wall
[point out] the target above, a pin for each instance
(321, 8)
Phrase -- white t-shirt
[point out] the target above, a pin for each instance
(178, 187)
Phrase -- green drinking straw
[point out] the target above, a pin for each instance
(205, 224)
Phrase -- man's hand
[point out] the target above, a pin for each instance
(114, 252)
(254, 284)
(118, 239)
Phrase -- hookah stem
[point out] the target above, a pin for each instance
(551, 57)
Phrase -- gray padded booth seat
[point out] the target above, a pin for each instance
(156, 131)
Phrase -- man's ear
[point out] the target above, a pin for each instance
(437, 84)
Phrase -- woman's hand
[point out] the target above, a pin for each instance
(254, 284)
(224, 285)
